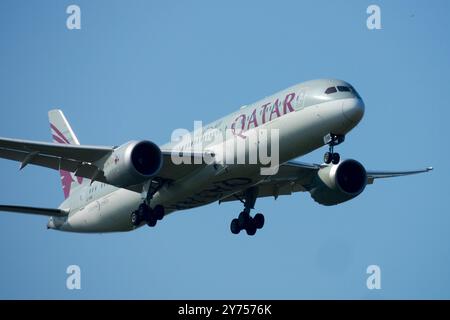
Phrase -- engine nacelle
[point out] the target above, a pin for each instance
(133, 163)
(339, 183)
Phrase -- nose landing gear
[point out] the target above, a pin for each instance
(332, 140)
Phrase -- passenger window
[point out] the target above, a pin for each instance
(343, 89)
(331, 90)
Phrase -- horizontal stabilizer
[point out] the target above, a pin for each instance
(34, 210)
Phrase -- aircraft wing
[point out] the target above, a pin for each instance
(56, 156)
(291, 177)
(296, 176)
(372, 175)
(79, 159)
(34, 210)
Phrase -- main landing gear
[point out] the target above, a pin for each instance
(147, 214)
(332, 140)
(245, 221)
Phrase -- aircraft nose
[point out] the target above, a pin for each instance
(353, 109)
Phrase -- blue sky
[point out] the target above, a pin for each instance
(139, 69)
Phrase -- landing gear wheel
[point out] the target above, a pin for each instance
(244, 218)
(245, 221)
(151, 222)
(332, 140)
(234, 227)
(327, 157)
(251, 227)
(144, 211)
(259, 220)
(158, 212)
(135, 218)
(335, 158)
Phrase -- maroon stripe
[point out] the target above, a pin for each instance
(59, 133)
(66, 182)
(58, 139)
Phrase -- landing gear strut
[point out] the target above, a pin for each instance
(147, 214)
(332, 140)
(245, 221)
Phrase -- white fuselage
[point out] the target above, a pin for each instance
(302, 114)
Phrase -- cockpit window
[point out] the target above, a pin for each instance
(355, 92)
(331, 90)
(344, 89)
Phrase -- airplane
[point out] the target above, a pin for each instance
(121, 188)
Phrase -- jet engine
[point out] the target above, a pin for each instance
(335, 184)
(133, 163)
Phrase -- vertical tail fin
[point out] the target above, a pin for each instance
(61, 130)
(62, 133)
